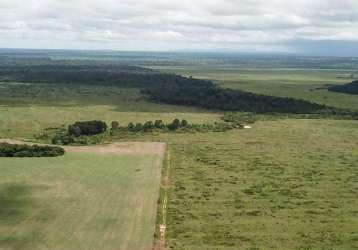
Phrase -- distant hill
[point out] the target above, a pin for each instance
(350, 88)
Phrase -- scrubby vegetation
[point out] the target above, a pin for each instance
(350, 88)
(239, 118)
(284, 184)
(16, 150)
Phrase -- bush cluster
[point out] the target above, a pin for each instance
(16, 150)
(87, 128)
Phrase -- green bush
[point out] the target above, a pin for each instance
(114, 125)
(159, 124)
(174, 125)
(16, 150)
(87, 128)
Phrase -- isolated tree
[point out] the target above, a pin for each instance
(159, 124)
(148, 126)
(138, 127)
(114, 125)
(174, 125)
(184, 123)
(131, 126)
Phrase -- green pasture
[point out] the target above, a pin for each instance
(287, 184)
(79, 201)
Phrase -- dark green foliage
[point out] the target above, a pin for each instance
(174, 125)
(194, 92)
(182, 126)
(148, 126)
(159, 124)
(15, 150)
(138, 127)
(87, 128)
(74, 130)
(114, 125)
(131, 126)
(184, 123)
(350, 88)
(62, 139)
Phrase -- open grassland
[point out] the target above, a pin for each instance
(26, 110)
(287, 184)
(301, 84)
(79, 201)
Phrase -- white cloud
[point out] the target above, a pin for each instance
(131, 24)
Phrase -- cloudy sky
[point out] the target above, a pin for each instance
(240, 25)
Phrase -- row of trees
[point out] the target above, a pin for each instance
(350, 88)
(157, 124)
(16, 150)
(175, 125)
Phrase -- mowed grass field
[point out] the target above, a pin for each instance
(287, 184)
(305, 84)
(79, 201)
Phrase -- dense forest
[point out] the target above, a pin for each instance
(350, 88)
(160, 87)
(193, 92)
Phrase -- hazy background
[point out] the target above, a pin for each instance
(309, 27)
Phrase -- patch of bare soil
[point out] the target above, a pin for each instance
(134, 148)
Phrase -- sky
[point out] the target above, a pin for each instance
(284, 26)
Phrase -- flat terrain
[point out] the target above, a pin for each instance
(284, 184)
(102, 197)
(304, 84)
(29, 109)
(287, 184)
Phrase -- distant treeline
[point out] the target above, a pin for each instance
(193, 92)
(16, 150)
(119, 75)
(160, 87)
(350, 88)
